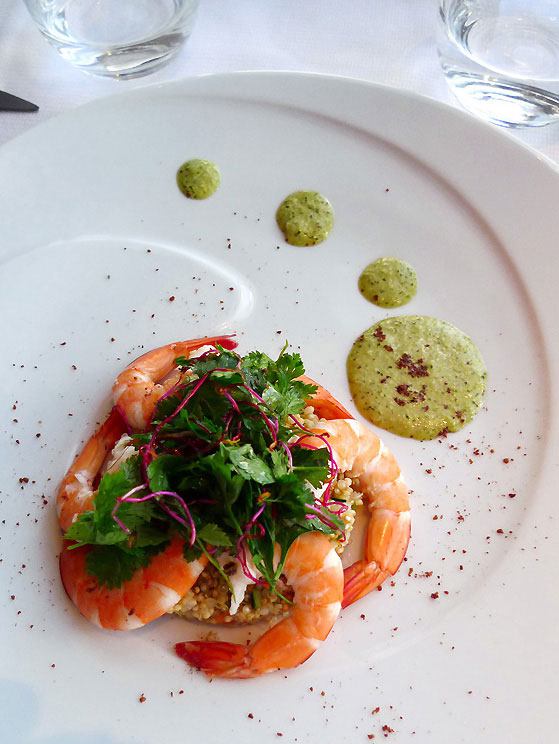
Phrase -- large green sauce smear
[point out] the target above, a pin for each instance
(416, 376)
(198, 179)
(388, 282)
(305, 218)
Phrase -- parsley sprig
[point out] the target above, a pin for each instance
(225, 464)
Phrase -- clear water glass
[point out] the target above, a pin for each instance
(115, 38)
(501, 58)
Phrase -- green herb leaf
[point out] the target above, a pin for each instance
(112, 565)
(311, 465)
(222, 453)
(248, 464)
(214, 535)
(279, 463)
(83, 530)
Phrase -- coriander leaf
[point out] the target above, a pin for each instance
(279, 463)
(147, 534)
(288, 367)
(249, 465)
(211, 533)
(291, 496)
(228, 377)
(255, 366)
(111, 487)
(130, 468)
(201, 365)
(162, 470)
(311, 465)
(288, 398)
(83, 530)
(112, 565)
(192, 553)
(317, 524)
(229, 483)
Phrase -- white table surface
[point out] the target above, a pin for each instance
(386, 41)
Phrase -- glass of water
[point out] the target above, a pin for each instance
(115, 38)
(501, 58)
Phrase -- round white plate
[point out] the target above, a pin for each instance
(95, 238)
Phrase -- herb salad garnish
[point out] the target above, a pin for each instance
(226, 465)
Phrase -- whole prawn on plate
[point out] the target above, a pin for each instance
(239, 468)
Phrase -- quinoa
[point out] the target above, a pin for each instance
(344, 488)
(209, 599)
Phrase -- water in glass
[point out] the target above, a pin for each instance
(115, 38)
(501, 58)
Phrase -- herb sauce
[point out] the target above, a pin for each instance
(198, 179)
(388, 282)
(305, 218)
(416, 376)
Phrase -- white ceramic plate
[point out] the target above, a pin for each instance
(95, 237)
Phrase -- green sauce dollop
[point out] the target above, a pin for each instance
(198, 179)
(388, 282)
(305, 218)
(416, 376)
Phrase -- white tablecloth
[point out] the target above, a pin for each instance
(387, 41)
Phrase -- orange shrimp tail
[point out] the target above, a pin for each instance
(214, 658)
(228, 342)
(360, 579)
(324, 403)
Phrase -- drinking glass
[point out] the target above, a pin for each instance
(115, 38)
(501, 58)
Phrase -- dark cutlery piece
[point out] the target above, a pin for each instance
(8, 102)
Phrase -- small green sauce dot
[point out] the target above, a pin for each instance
(198, 179)
(388, 282)
(305, 218)
(416, 376)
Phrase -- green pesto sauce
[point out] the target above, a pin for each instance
(305, 218)
(388, 282)
(198, 179)
(416, 376)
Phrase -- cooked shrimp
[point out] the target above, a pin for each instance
(361, 454)
(324, 404)
(314, 570)
(149, 594)
(138, 388)
(152, 591)
(75, 494)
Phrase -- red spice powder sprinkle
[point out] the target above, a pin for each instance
(375, 710)
(415, 369)
(378, 333)
(142, 698)
(250, 715)
(435, 595)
